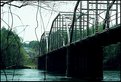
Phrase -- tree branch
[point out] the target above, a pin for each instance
(6, 2)
(14, 5)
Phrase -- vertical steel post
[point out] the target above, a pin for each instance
(120, 13)
(75, 31)
(83, 26)
(108, 16)
(96, 26)
(57, 32)
(87, 18)
(116, 12)
(80, 20)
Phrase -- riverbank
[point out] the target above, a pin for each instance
(17, 67)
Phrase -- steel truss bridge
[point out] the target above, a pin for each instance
(74, 44)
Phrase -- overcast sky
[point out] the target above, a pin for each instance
(26, 24)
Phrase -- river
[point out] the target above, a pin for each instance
(39, 75)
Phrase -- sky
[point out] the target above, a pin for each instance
(29, 17)
(25, 20)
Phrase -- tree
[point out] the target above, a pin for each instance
(12, 52)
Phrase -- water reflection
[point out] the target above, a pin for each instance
(29, 75)
(40, 75)
(111, 76)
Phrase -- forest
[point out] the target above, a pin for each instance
(14, 52)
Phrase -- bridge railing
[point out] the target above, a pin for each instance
(91, 18)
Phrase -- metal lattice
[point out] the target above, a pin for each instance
(93, 18)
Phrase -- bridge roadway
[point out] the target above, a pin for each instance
(81, 59)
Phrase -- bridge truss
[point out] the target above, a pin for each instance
(75, 35)
(91, 17)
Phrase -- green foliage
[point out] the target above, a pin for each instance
(111, 56)
(32, 50)
(12, 52)
(35, 45)
(25, 44)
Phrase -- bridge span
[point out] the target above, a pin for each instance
(74, 45)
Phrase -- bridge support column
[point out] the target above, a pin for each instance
(54, 61)
(85, 61)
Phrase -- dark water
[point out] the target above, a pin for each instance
(39, 75)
